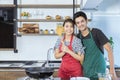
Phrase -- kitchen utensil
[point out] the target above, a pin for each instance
(39, 72)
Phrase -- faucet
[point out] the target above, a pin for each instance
(50, 50)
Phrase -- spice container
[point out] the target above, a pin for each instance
(46, 31)
(41, 31)
(52, 31)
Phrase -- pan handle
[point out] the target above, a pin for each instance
(43, 65)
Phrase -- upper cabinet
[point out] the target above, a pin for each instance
(90, 4)
(6, 3)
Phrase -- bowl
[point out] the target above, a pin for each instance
(79, 78)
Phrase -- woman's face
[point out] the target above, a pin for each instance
(68, 28)
(81, 23)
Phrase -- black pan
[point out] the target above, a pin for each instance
(39, 72)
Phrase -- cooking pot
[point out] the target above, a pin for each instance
(39, 72)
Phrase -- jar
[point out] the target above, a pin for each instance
(46, 31)
(59, 29)
(41, 31)
(52, 31)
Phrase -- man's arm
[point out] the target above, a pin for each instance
(107, 46)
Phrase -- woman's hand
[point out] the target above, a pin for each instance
(65, 48)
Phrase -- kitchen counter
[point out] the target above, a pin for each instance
(12, 70)
(25, 64)
(15, 64)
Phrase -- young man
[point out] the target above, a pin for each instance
(94, 40)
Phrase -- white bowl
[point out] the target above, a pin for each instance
(79, 78)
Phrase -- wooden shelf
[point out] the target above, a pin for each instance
(39, 20)
(36, 34)
(6, 49)
(42, 20)
(47, 6)
(7, 5)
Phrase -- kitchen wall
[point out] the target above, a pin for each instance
(107, 18)
(35, 47)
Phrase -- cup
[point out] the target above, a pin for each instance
(101, 76)
(104, 76)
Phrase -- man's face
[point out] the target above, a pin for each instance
(81, 23)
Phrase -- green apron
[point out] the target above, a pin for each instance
(94, 60)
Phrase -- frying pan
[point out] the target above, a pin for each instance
(39, 72)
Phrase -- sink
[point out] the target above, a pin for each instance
(54, 64)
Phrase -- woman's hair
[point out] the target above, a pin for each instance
(80, 13)
(70, 21)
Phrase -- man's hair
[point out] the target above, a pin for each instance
(80, 13)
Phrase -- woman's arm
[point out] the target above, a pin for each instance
(79, 56)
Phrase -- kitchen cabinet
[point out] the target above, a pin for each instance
(38, 20)
(11, 74)
(7, 29)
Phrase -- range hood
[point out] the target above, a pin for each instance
(90, 4)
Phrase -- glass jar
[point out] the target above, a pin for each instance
(46, 31)
(59, 29)
(41, 31)
(52, 31)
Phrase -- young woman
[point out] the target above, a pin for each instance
(70, 49)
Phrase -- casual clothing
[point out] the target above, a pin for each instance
(76, 45)
(94, 60)
(70, 67)
(98, 36)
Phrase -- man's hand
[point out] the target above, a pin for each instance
(113, 75)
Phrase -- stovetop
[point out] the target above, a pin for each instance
(28, 78)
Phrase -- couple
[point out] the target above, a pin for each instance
(86, 60)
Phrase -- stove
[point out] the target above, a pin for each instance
(28, 78)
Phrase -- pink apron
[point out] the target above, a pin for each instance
(70, 67)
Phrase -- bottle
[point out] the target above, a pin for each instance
(108, 75)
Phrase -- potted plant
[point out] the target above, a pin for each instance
(111, 42)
